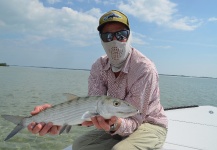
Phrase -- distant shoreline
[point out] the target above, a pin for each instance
(3, 65)
(51, 67)
(185, 76)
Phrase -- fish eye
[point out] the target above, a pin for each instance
(116, 103)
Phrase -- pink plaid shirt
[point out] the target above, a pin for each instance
(137, 84)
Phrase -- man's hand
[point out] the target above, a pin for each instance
(41, 127)
(100, 123)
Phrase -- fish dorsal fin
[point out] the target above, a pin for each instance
(70, 96)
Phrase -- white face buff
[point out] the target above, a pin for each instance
(117, 53)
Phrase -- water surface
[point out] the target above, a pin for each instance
(22, 88)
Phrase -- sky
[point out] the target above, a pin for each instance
(179, 36)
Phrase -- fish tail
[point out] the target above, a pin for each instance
(16, 120)
(14, 131)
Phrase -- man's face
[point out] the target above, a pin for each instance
(116, 43)
(114, 27)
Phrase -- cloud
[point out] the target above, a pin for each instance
(185, 23)
(97, 1)
(31, 18)
(212, 19)
(163, 47)
(161, 12)
(139, 39)
(149, 11)
(2, 23)
(53, 1)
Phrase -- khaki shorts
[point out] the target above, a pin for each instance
(146, 137)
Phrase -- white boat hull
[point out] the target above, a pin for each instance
(190, 129)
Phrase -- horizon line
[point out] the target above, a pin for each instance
(162, 74)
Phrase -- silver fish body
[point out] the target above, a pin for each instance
(74, 112)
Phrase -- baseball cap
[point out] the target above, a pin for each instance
(113, 16)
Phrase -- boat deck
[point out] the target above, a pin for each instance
(193, 128)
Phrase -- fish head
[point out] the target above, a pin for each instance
(109, 107)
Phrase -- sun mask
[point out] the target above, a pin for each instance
(117, 53)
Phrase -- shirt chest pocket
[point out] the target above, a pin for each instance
(118, 88)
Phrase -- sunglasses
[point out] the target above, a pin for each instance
(120, 35)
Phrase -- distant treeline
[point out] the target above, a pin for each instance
(186, 76)
(52, 67)
(3, 64)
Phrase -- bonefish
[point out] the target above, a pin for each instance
(75, 111)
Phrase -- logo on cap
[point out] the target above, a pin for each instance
(111, 16)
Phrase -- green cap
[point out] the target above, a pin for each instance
(113, 16)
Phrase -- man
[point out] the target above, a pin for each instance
(126, 74)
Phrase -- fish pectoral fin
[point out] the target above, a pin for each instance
(68, 128)
(87, 115)
(63, 128)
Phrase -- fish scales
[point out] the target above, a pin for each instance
(74, 112)
(60, 114)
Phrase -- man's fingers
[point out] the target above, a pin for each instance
(45, 106)
(101, 123)
(54, 130)
(37, 128)
(87, 123)
(36, 110)
(40, 108)
(95, 122)
(46, 129)
(31, 126)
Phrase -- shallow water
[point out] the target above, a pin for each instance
(22, 88)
